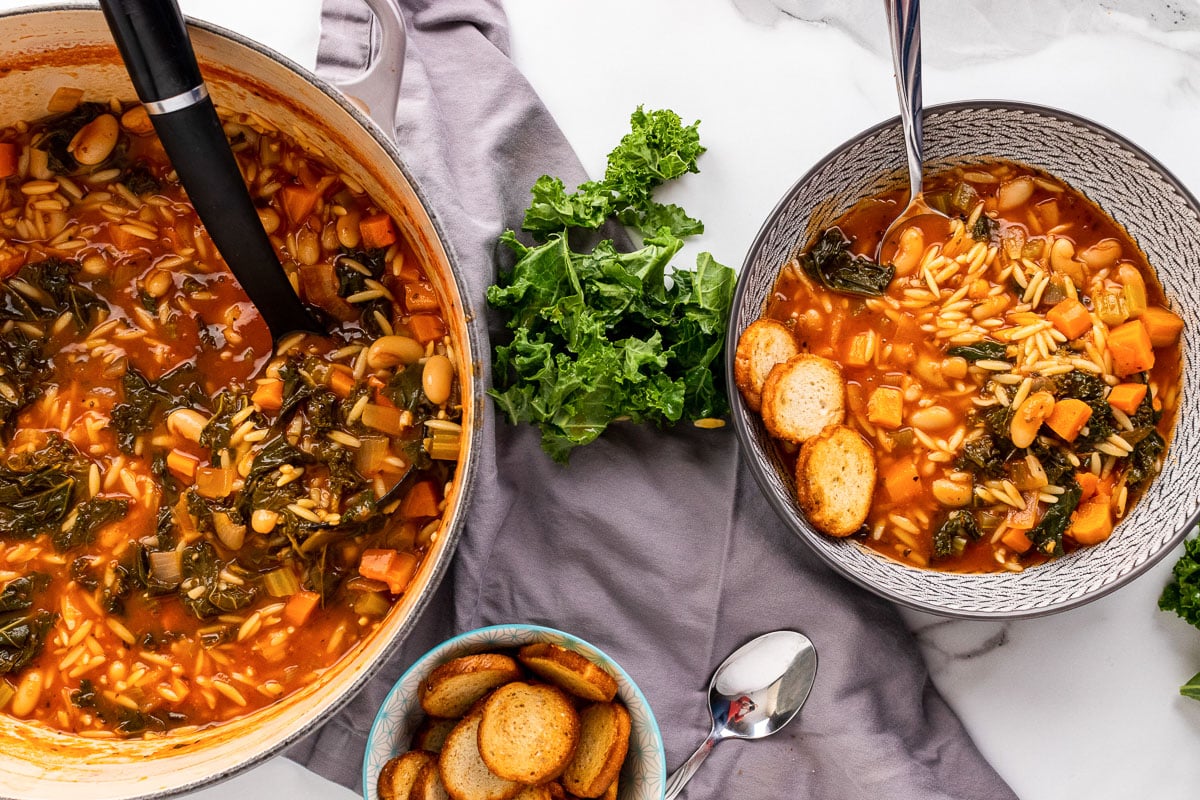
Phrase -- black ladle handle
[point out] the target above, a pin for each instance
(158, 54)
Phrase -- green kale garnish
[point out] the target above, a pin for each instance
(830, 263)
(600, 335)
(658, 148)
(1182, 594)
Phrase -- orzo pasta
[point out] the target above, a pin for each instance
(194, 522)
(1017, 380)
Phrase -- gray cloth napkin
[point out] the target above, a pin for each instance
(656, 546)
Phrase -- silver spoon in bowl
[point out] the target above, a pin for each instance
(904, 27)
(759, 689)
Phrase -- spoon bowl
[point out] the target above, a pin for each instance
(904, 27)
(755, 692)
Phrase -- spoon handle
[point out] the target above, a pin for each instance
(681, 776)
(904, 25)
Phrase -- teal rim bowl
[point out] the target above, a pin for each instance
(642, 778)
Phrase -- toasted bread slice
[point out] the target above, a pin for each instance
(803, 396)
(398, 775)
(528, 732)
(452, 688)
(611, 792)
(536, 793)
(569, 670)
(603, 742)
(432, 733)
(835, 480)
(463, 772)
(765, 343)
(428, 785)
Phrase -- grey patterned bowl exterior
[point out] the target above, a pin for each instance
(1134, 189)
(644, 775)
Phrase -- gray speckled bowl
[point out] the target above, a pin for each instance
(1160, 215)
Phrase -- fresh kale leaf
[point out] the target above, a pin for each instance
(597, 336)
(658, 148)
(1047, 535)
(603, 335)
(1182, 594)
(830, 263)
(979, 351)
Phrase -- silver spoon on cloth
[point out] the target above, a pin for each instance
(759, 689)
(904, 27)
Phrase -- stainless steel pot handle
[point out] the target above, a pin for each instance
(378, 87)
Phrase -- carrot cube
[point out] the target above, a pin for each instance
(859, 352)
(9, 153)
(886, 408)
(426, 327)
(268, 395)
(902, 483)
(1162, 326)
(1088, 481)
(300, 607)
(1071, 318)
(183, 464)
(377, 231)
(1131, 349)
(1092, 521)
(298, 202)
(421, 501)
(1068, 417)
(1017, 540)
(1127, 396)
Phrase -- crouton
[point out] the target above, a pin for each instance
(803, 396)
(762, 345)
(428, 785)
(603, 742)
(451, 689)
(463, 772)
(835, 480)
(569, 671)
(528, 732)
(398, 775)
(432, 733)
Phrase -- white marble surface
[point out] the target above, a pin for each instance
(1079, 705)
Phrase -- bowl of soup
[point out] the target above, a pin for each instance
(978, 419)
(208, 539)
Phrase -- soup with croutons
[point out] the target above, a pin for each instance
(1011, 386)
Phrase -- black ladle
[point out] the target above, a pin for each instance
(158, 54)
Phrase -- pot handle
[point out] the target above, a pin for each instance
(377, 88)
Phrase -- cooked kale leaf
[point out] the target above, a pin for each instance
(1047, 535)
(979, 351)
(134, 417)
(22, 634)
(830, 263)
(90, 517)
(23, 370)
(202, 568)
(952, 536)
(33, 501)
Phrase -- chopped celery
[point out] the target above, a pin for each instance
(281, 582)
